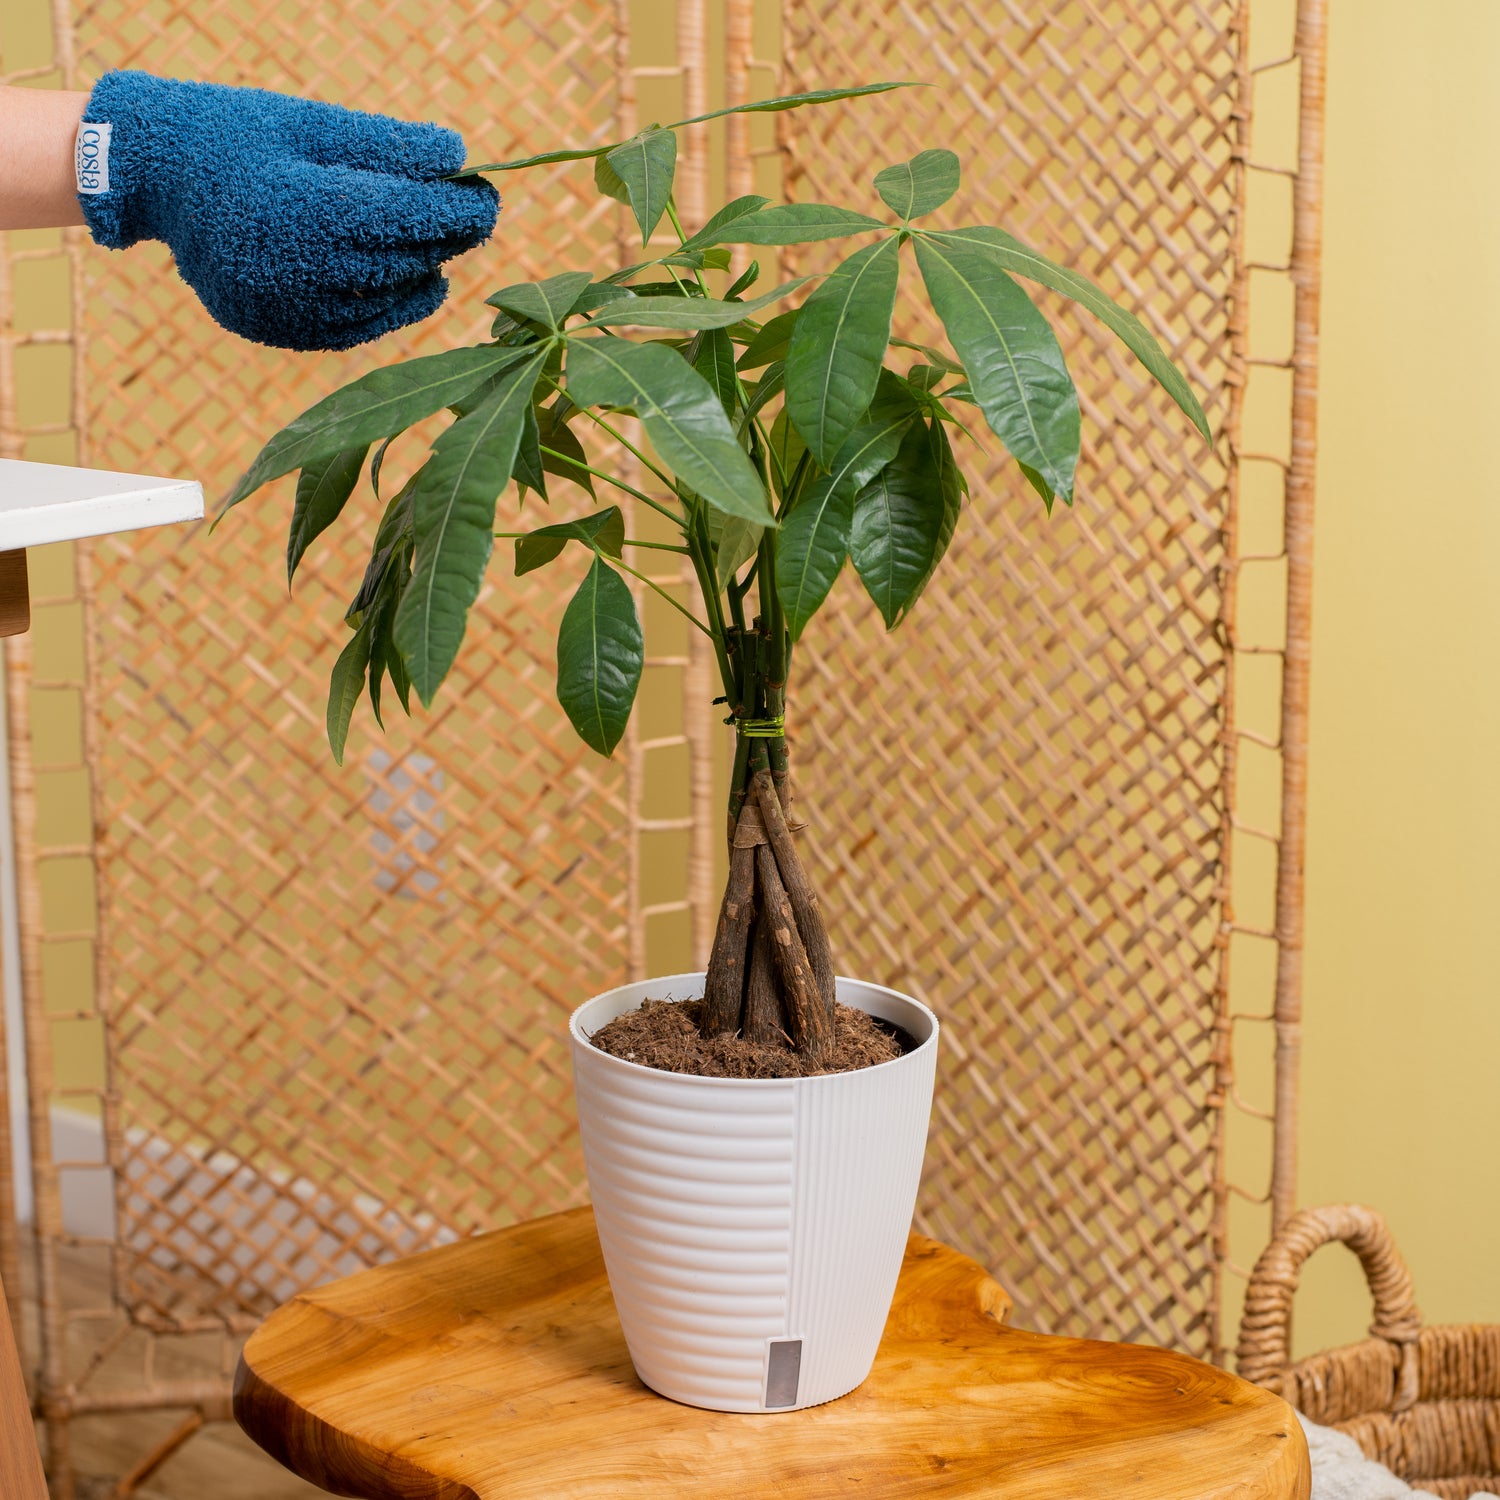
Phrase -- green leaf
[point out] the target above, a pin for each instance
(399, 680)
(920, 185)
(735, 542)
(796, 101)
(546, 159)
(344, 688)
(1010, 254)
(1039, 484)
(688, 312)
(453, 521)
(611, 184)
(767, 388)
(772, 342)
(384, 657)
(1015, 364)
(391, 537)
(934, 356)
(735, 209)
(679, 289)
(527, 470)
(900, 520)
(323, 487)
(744, 281)
(786, 453)
(693, 259)
(833, 363)
(796, 224)
(810, 549)
(506, 329)
(894, 400)
(473, 400)
(713, 358)
(375, 406)
(680, 412)
(925, 378)
(598, 294)
(604, 531)
(814, 537)
(868, 449)
(377, 464)
(644, 166)
(555, 435)
(940, 451)
(547, 302)
(600, 653)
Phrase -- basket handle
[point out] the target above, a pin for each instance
(1264, 1353)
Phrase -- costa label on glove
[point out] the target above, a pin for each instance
(91, 157)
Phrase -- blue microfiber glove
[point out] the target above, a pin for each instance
(298, 224)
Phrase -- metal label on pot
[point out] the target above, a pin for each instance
(783, 1370)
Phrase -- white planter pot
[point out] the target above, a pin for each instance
(753, 1229)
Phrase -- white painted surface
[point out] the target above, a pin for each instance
(735, 1213)
(42, 503)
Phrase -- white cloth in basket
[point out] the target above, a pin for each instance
(1341, 1472)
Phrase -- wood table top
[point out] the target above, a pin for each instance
(496, 1367)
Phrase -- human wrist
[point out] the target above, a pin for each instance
(38, 129)
(131, 125)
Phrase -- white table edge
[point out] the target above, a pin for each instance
(71, 512)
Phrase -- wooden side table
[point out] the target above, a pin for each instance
(496, 1367)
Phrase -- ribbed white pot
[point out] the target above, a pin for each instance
(753, 1228)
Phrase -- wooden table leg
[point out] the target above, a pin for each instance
(15, 593)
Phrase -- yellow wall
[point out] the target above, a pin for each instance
(1401, 1089)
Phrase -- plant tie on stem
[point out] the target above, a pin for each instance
(762, 729)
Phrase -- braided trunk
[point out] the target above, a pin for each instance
(770, 974)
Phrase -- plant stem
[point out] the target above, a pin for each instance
(621, 439)
(777, 656)
(736, 594)
(765, 438)
(619, 484)
(651, 583)
(517, 536)
(700, 552)
(682, 240)
(793, 486)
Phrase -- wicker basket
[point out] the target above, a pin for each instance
(1423, 1401)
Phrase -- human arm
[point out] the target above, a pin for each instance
(37, 132)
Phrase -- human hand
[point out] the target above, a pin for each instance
(297, 223)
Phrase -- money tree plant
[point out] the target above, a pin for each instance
(786, 433)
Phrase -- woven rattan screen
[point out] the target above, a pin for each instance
(336, 996)
(1018, 798)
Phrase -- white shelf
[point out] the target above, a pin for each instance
(42, 503)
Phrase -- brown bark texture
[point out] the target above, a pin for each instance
(770, 974)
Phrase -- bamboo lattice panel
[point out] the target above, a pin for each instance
(1018, 800)
(337, 995)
